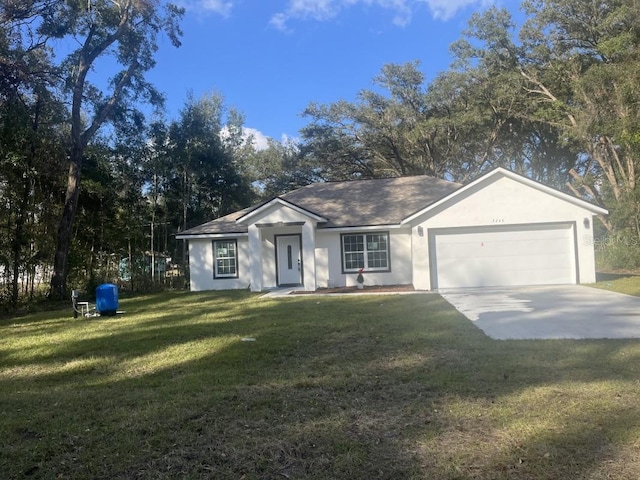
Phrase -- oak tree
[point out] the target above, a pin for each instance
(100, 32)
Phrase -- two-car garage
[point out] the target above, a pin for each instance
(503, 255)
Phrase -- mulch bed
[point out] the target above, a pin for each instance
(366, 289)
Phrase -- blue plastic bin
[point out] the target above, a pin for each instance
(107, 299)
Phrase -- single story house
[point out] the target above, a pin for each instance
(500, 230)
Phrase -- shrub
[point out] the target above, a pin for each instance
(619, 251)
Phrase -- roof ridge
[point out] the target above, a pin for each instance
(356, 180)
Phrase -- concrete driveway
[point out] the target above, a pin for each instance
(568, 311)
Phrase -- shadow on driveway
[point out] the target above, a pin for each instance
(548, 312)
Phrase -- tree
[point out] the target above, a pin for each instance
(204, 178)
(280, 168)
(203, 143)
(30, 154)
(482, 100)
(378, 135)
(574, 76)
(31, 119)
(582, 73)
(124, 30)
(468, 120)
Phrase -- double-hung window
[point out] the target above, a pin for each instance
(369, 251)
(225, 258)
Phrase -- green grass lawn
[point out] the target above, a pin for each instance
(363, 387)
(629, 284)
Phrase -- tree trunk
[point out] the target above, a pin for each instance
(65, 228)
(20, 239)
(154, 202)
(185, 207)
(130, 264)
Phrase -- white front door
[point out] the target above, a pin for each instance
(289, 262)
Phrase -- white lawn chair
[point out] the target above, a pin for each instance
(84, 309)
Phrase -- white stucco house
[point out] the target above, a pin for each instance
(499, 230)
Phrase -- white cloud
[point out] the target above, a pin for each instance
(218, 7)
(319, 10)
(289, 140)
(279, 21)
(258, 139)
(315, 9)
(402, 10)
(446, 9)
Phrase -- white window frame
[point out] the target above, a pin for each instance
(216, 274)
(365, 252)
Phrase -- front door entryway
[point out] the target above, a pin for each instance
(289, 262)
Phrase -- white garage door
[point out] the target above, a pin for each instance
(502, 256)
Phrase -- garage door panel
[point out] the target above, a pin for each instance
(477, 277)
(502, 248)
(494, 256)
(512, 263)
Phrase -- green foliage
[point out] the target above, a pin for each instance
(204, 177)
(583, 62)
(280, 168)
(32, 152)
(618, 252)
(471, 118)
(127, 32)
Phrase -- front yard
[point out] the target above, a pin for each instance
(229, 386)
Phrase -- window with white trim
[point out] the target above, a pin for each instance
(368, 251)
(225, 259)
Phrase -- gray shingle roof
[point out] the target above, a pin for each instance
(349, 204)
(226, 224)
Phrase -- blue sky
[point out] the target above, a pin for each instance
(270, 58)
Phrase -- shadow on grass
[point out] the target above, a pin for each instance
(605, 277)
(365, 387)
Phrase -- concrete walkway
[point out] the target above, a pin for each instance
(281, 292)
(546, 312)
(286, 291)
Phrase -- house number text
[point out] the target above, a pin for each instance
(498, 220)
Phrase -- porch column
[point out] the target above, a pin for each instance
(309, 255)
(255, 258)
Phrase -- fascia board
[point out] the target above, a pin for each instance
(200, 236)
(245, 219)
(361, 228)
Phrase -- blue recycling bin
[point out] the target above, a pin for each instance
(107, 299)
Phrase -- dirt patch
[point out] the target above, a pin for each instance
(366, 289)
